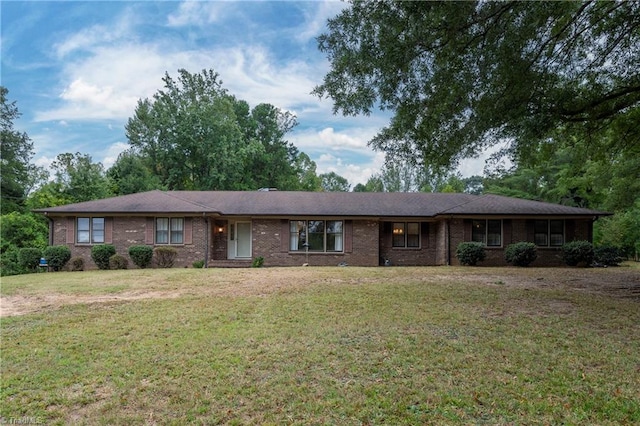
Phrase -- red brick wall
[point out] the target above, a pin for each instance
(517, 230)
(426, 255)
(128, 231)
(267, 237)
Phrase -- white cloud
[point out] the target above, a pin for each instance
(112, 152)
(198, 13)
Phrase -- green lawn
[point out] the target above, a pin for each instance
(321, 346)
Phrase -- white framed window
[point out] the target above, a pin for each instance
(169, 230)
(487, 232)
(90, 230)
(406, 235)
(316, 235)
(549, 233)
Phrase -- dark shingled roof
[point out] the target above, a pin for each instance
(289, 203)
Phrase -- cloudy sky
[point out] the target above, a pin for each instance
(77, 69)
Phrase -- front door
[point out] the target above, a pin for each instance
(239, 240)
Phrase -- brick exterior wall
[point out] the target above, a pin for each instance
(268, 235)
(366, 242)
(517, 230)
(128, 231)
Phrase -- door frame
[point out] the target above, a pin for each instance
(232, 239)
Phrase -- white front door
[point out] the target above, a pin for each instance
(239, 244)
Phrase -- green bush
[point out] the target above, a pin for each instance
(141, 255)
(9, 264)
(608, 255)
(577, 252)
(198, 264)
(118, 261)
(29, 258)
(258, 262)
(76, 264)
(101, 253)
(165, 256)
(470, 253)
(521, 254)
(57, 256)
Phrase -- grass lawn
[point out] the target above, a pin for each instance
(322, 346)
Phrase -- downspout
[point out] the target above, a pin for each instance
(206, 240)
(449, 241)
(50, 228)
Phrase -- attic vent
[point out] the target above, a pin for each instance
(267, 189)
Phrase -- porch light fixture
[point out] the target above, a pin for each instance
(220, 229)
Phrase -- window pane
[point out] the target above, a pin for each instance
(177, 230)
(297, 236)
(413, 234)
(97, 224)
(398, 234)
(334, 235)
(316, 235)
(83, 235)
(556, 228)
(162, 230)
(479, 231)
(494, 233)
(541, 230)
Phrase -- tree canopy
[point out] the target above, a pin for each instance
(194, 135)
(463, 76)
(17, 174)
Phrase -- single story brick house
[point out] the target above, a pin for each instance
(230, 228)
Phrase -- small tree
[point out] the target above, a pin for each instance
(470, 253)
(57, 256)
(141, 255)
(521, 254)
(29, 258)
(607, 255)
(165, 256)
(577, 252)
(101, 254)
(76, 264)
(118, 262)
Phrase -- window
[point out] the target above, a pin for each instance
(90, 230)
(487, 232)
(169, 230)
(406, 234)
(316, 235)
(549, 233)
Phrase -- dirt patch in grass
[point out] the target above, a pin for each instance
(620, 282)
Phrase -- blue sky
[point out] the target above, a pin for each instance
(78, 68)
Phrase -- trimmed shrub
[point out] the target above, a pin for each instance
(29, 258)
(9, 264)
(470, 253)
(607, 255)
(165, 256)
(118, 261)
(76, 264)
(521, 254)
(258, 262)
(57, 256)
(198, 264)
(141, 255)
(101, 254)
(577, 252)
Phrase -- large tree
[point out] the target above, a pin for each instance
(196, 136)
(17, 174)
(463, 76)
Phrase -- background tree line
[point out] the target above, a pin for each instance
(556, 85)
